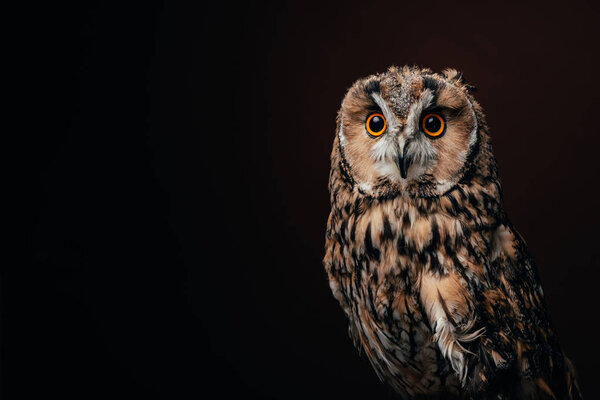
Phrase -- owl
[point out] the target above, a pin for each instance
(439, 289)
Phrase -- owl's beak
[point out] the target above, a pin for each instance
(403, 163)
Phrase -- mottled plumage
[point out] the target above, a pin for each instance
(440, 290)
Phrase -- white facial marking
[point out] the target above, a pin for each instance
(341, 136)
(388, 147)
(421, 149)
(385, 151)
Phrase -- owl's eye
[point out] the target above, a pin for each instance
(376, 124)
(433, 125)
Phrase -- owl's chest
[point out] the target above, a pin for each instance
(375, 265)
(392, 329)
(383, 251)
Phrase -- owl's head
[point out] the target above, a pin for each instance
(409, 131)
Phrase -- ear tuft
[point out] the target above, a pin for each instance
(457, 76)
(454, 75)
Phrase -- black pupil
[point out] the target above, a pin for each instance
(376, 124)
(433, 124)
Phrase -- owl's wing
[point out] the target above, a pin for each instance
(490, 320)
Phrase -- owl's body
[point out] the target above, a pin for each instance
(440, 291)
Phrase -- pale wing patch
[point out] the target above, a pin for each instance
(503, 242)
(444, 300)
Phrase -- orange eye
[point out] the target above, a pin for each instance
(433, 125)
(376, 124)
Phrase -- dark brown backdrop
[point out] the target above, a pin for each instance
(176, 185)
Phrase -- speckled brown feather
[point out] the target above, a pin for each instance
(440, 291)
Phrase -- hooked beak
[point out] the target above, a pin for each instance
(403, 163)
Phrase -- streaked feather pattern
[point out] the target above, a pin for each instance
(441, 292)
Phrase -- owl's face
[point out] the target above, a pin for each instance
(407, 131)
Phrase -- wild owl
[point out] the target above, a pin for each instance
(440, 290)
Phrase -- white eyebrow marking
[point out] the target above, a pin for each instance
(381, 103)
(392, 122)
(473, 136)
(385, 149)
(424, 102)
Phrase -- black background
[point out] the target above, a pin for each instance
(175, 185)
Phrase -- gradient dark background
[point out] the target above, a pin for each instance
(175, 185)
